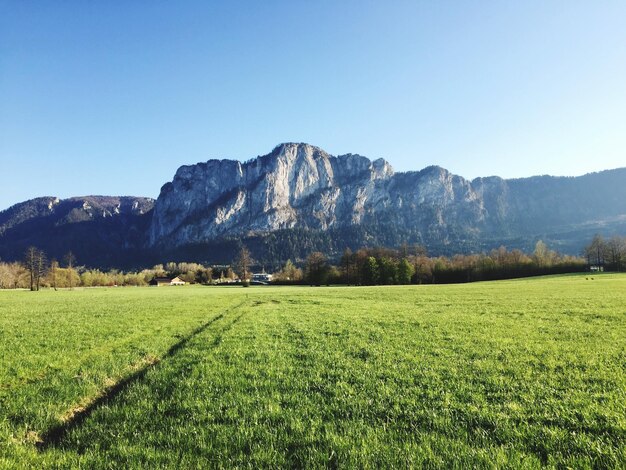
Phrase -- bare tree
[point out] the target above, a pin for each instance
(70, 260)
(316, 268)
(54, 264)
(35, 262)
(41, 266)
(6, 276)
(541, 255)
(595, 251)
(242, 264)
(615, 252)
(29, 262)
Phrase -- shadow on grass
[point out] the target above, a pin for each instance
(54, 436)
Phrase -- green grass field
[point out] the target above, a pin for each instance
(523, 373)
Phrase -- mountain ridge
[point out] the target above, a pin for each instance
(99, 230)
(351, 189)
(304, 198)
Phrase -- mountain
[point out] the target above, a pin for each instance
(100, 230)
(298, 199)
(300, 191)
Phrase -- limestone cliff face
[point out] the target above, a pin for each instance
(299, 185)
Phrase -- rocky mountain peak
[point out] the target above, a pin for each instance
(295, 185)
(299, 149)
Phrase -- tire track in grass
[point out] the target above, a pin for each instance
(76, 416)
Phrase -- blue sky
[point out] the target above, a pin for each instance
(111, 97)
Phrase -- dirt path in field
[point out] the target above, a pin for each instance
(77, 415)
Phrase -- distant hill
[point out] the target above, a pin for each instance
(299, 198)
(100, 230)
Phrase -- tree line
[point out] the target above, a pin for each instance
(605, 254)
(36, 271)
(366, 266)
(412, 265)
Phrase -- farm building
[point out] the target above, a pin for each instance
(262, 277)
(166, 281)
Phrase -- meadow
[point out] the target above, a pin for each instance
(523, 373)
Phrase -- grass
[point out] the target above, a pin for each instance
(524, 373)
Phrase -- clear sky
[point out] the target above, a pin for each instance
(111, 97)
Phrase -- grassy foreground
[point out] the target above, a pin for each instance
(525, 373)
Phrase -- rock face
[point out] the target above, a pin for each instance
(295, 185)
(100, 230)
(299, 186)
